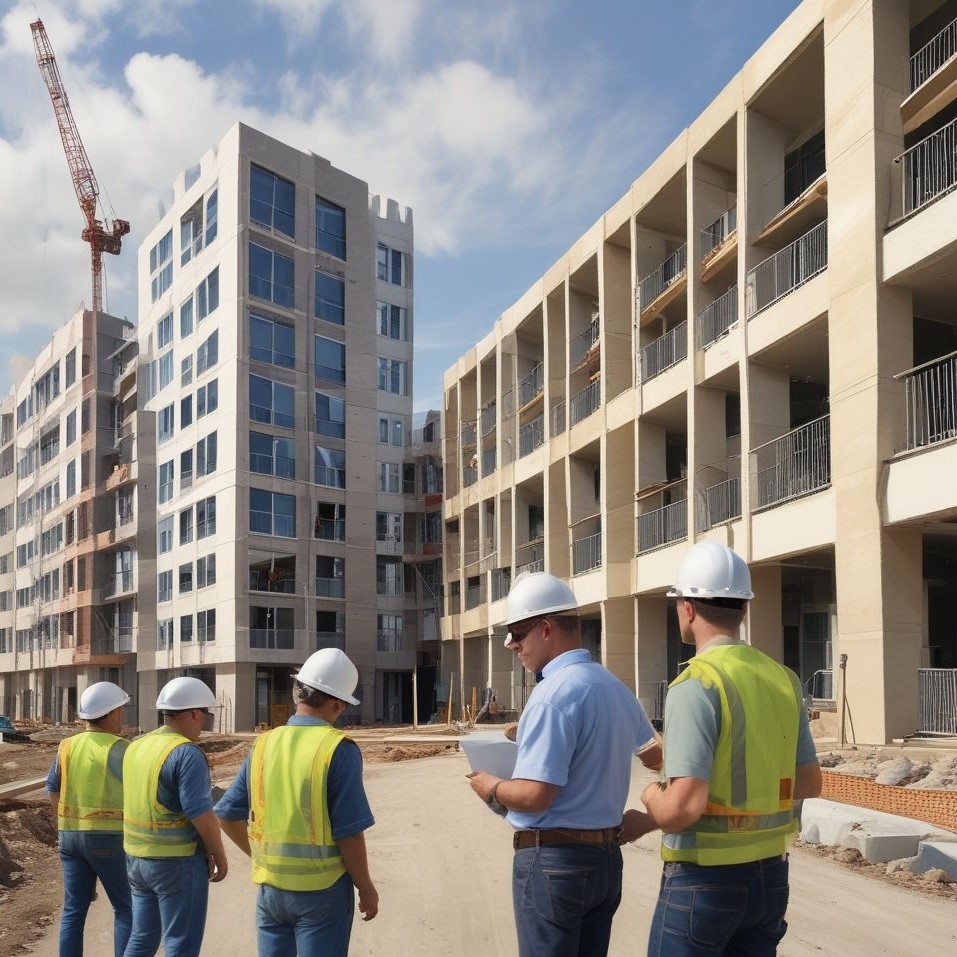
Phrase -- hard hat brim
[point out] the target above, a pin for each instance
(325, 689)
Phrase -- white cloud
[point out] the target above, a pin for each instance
(300, 18)
(391, 27)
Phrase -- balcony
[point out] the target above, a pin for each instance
(530, 557)
(331, 639)
(389, 641)
(469, 433)
(117, 641)
(721, 503)
(716, 320)
(666, 351)
(583, 349)
(330, 587)
(501, 583)
(586, 545)
(933, 55)
(280, 581)
(487, 419)
(469, 476)
(792, 466)
(329, 529)
(586, 402)
(663, 516)
(786, 270)
(716, 250)
(272, 638)
(475, 592)
(119, 476)
(531, 435)
(488, 461)
(930, 402)
(118, 585)
(666, 278)
(531, 385)
(928, 169)
(558, 418)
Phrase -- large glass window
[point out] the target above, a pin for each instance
(330, 228)
(272, 201)
(330, 298)
(272, 513)
(185, 411)
(271, 341)
(212, 216)
(70, 368)
(330, 415)
(186, 318)
(164, 634)
(206, 571)
(388, 477)
(164, 332)
(164, 586)
(207, 295)
(161, 266)
(165, 369)
(393, 376)
(164, 423)
(271, 628)
(271, 276)
(165, 486)
(164, 535)
(205, 517)
(206, 625)
(391, 265)
(272, 455)
(207, 355)
(330, 467)
(271, 402)
(207, 398)
(186, 526)
(392, 321)
(206, 450)
(330, 360)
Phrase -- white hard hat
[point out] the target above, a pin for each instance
(331, 671)
(710, 570)
(182, 694)
(100, 699)
(535, 595)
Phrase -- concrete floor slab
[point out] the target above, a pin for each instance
(942, 854)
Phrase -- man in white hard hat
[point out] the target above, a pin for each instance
(173, 844)
(85, 787)
(577, 738)
(302, 795)
(738, 754)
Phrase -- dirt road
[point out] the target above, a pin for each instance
(442, 865)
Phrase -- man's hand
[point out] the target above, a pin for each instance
(368, 901)
(634, 824)
(483, 783)
(217, 866)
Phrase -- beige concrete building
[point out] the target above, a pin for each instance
(756, 344)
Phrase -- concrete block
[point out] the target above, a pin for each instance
(942, 854)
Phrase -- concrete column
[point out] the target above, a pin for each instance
(618, 638)
(651, 648)
(236, 692)
(763, 626)
(146, 692)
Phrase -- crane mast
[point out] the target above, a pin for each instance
(102, 239)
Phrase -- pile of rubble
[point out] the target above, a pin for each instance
(895, 769)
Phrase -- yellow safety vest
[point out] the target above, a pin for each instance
(149, 828)
(91, 795)
(750, 809)
(290, 834)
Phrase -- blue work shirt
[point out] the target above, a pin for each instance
(579, 730)
(349, 811)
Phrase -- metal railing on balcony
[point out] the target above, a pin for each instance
(786, 270)
(330, 529)
(469, 433)
(582, 344)
(933, 55)
(664, 352)
(930, 401)
(531, 435)
(721, 503)
(792, 466)
(501, 583)
(389, 641)
(714, 235)
(262, 579)
(586, 545)
(487, 419)
(330, 587)
(475, 593)
(488, 461)
(531, 384)
(117, 641)
(664, 519)
(282, 638)
(558, 418)
(530, 557)
(715, 320)
(331, 639)
(929, 169)
(937, 699)
(469, 476)
(654, 284)
(586, 402)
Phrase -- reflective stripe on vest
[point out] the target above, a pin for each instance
(290, 834)
(91, 795)
(149, 828)
(749, 814)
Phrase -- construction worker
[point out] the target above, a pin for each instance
(576, 740)
(172, 840)
(85, 787)
(301, 792)
(738, 754)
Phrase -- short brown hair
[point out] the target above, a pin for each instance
(312, 697)
(721, 612)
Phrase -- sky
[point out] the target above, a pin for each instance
(508, 127)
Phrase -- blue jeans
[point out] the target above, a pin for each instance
(565, 896)
(307, 923)
(88, 856)
(735, 910)
(169, 902)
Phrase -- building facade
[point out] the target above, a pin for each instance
(755, 345)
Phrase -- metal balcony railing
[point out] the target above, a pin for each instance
(586, 402)
(929, 169)
(272, 581)
(930, 401)
(937, 698)
(783, 272)
(469, 433)
(654, 284)
(530, 557)
(664, 352)
(475, 594)
(331, 639)
(586, 546)
(933, 55)
(284, 638)
(488, 461)
(531, 435)
(558, 418)
(469, 476)
(117, 641)
(330, 587)
(722, 503)
(388, 641)
(665, 524)
(714, 235)
(715, 320)
(581, 345)
(531, 384)
(487, 419)
(501, 583)
(330, 530)
(794, 465)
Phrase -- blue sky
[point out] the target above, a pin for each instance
(508, 127)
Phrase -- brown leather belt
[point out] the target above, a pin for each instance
(562, 835)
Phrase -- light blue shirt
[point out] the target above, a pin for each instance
(579, 730)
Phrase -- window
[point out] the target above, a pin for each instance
(164, 586)
(161, 266)
(330, 360)
(207, 295)
(205, 517)
(803, 166)
(331, 629)
(185, 411)
(330, 521)
(271, 402)
(206, 571)
(165, 423)
(272, 342)
(391, 265)
(272, 201)
(207, 398)
(388, 526)
(272, 513)
(271, 628)
(207, 355)
(388, 477)
(186, 526)
(392, 321)
(330, 228)
(185, 628)
(164, 489)
(271, 276)
(70, 368)
(271, 455)
(164, 535)
(71, 428)
(330, 415)
(185, 469)
(165, 369)
(388, 575)
(186, 372)
(391, 430)
(212, 216)
(164, 331)
(186, 318)
(206, 455)
(186, 578)
(389, 632)
(206, 625)
(393, 376)
(164, 634)
(330, 298)
(329, 467)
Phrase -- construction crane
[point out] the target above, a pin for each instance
(102, 239)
